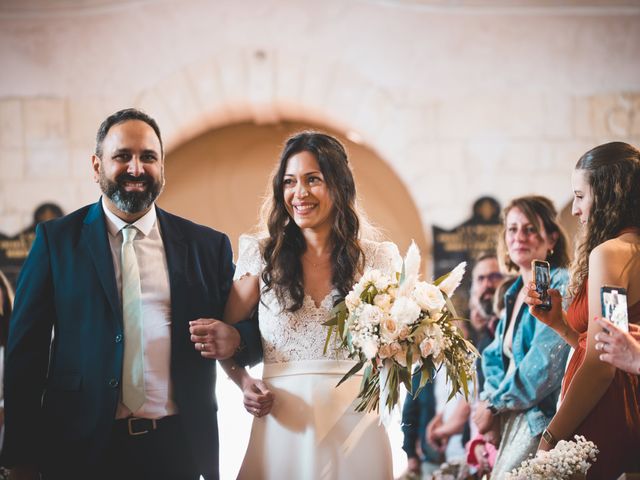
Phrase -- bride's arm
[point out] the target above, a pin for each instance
(243, 299)
(257, 398)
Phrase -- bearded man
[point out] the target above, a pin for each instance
(103, 378)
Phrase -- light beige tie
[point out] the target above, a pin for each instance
(133, 365)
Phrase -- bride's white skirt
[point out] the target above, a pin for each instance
(313, 431)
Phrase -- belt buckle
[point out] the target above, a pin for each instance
(130, 426)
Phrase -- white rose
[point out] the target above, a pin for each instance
(371, 276)
(369, 347)
(428, 296)
(405, 311)
(433, 342)
(389, 329)
(352, 300)
(370, 315)
(426, 347)
(383, 301)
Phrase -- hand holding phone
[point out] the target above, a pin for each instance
(542, 279)
(614, 306)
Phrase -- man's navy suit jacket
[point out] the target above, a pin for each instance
(61, 391)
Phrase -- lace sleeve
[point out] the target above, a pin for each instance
(249, 258)
(385, 257)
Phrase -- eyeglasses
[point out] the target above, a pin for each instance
(492, 277)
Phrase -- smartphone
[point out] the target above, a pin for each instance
(542, 278)
(614, 306)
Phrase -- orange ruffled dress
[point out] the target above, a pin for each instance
(614, 423)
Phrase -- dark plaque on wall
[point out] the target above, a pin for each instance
(14, 250)
(464, 243)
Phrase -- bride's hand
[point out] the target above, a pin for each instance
(553, 317)
(258, 399)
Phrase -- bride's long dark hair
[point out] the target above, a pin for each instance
(285, 244)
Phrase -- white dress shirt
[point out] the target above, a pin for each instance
(156, 311)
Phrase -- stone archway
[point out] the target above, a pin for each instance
(267, 88)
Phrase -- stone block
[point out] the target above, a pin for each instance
(152, 103)
(233, 77)
(347, 93)
(179, 96)
(288, 82)
(373, 113)
(207, 90)
(511, 114)
(11, 164)
(45, 123)
(558, 110)
(608, 116)
(85, 116)
(261, 88)
(316, 83)
(13, 222)
(24, 196)
(47, 162)
(87, 191)
(80, 164)
(11, 123)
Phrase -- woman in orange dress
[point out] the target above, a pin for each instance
(600, 401)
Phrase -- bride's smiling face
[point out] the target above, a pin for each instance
(306, 194)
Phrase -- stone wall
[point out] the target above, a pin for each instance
(460, 98)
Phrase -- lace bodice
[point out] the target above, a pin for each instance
(300, 335)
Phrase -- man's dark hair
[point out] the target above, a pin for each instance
(121, 117)
(484, 256)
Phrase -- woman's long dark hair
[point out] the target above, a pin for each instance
(613, 172)
(285, 244)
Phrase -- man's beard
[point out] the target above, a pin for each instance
(486, 304)
(131, 202)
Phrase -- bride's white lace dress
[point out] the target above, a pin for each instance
(313, 431)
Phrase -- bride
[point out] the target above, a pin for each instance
(305, 427)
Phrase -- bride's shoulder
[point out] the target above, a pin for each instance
(249, 256)
(381, 254)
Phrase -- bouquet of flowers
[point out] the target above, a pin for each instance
(388, 323)
(569, 459)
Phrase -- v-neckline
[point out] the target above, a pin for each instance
(322, 302)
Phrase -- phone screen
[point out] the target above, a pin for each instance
(614, 306)
(542, 278)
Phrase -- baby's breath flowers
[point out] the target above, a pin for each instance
(569, 459)
(389, 323)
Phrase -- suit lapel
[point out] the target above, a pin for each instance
(95, 240)
(176, 250)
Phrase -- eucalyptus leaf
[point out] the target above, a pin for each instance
(351, 372)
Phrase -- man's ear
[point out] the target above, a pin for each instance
(95, 165)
